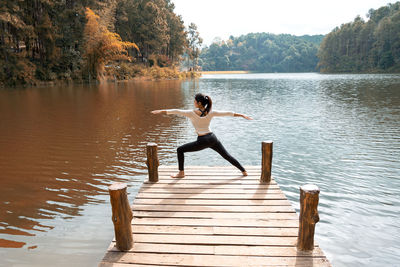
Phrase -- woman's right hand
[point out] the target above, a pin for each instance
(157, 111)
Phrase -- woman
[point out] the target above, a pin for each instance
(201, 118)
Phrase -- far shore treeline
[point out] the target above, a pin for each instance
(71, 40)
(262, 52)
(356, 47)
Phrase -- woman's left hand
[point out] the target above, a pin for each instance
(247, 117)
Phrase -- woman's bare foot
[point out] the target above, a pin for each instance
(244, 173)
(180, 174)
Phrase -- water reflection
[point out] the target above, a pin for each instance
(60, 147)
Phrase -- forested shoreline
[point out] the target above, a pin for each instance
(58, 40)
(70, 40)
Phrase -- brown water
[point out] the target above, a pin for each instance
(60, 147)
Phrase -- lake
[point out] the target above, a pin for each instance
(61, 146)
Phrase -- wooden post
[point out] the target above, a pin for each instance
(121, 216)
(152, 162)
(309, 196)
(266, 162)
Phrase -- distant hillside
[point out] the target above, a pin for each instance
(316, 39)
(263, 52)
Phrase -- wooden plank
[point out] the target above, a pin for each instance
(204, 176)
(213, 168)
(115, 264)
(208, 182)
(216, 185)
(258, 193)
(211, 260)
(212, 196)
(209, 166)
(217, 222)
(212, 171)
(213, 175)
(215, 215)
(170, 248)
(225, 177)
(168, 229)
(212, 202)
(216, 230)
(266, 251)
(206, 186)
(174, 190)
(270, 251)
(196, 208)
(253, 231)
(216, 239)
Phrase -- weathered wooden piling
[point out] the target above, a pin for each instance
(152, 162)
(266, 161)
(309, 196)
(121, 216)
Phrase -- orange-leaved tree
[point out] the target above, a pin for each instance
(102, 46)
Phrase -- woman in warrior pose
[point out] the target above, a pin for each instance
(201, 117)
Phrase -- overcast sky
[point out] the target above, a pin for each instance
(222, 18)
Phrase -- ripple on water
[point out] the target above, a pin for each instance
(63, 146)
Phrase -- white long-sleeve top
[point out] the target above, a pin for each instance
(201, 124)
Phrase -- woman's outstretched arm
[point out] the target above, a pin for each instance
(243, 116)
(181, 112)
(218, 113)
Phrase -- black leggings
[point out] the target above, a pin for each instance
(206, 141)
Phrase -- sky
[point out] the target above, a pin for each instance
(223, 18)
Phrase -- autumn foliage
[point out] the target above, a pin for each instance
(70, 40)
(102, 46)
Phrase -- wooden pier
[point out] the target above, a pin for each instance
(214, 217)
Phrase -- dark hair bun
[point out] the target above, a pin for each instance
(205, 101)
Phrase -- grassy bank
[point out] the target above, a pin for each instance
(226, 72)
(120, 72)
(126, 71)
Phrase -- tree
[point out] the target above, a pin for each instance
(194, 44)
(144, 21)
(177, 34)
(102, 46)
(154, 26)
